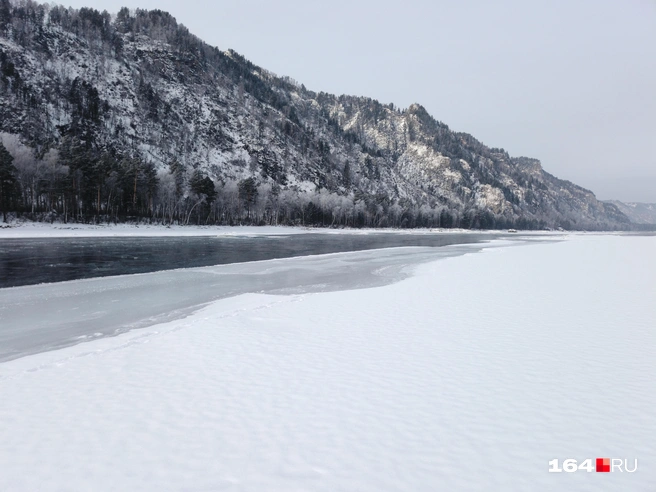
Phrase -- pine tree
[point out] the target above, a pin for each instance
(346, 174)
(248, 193)
(7, 180)
(5, 14)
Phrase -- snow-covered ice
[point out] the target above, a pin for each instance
(40, 317)
(469, 375)
(42, 229)
(46, 230)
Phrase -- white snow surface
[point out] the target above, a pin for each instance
(45, 230)
(470, 375)
(25, 230)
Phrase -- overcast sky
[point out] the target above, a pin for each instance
(572, 83)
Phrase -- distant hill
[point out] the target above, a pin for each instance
(638, 213)
(127, 116)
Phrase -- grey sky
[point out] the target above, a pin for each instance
(572, 83)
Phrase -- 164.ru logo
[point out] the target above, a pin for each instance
(601, 465)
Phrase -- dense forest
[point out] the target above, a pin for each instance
(129, 117)
(79, 185)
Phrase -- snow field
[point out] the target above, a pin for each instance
(470, 375)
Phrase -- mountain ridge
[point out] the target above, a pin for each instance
(137, 117)
(637, 212)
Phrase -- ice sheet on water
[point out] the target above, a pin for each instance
(43, 317)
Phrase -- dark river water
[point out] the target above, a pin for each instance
(35, 261)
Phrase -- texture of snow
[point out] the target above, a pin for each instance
(41, 229)
(470, 375)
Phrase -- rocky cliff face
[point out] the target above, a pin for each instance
(103, 90)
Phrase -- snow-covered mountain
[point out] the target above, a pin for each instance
(133, 115)
(638, 213)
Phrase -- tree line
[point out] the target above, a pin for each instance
(78, 184)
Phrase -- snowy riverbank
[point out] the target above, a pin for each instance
(470, 375)
(45, 230)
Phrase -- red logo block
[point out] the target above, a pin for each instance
(603, 465)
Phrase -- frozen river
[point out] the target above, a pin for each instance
(36, 318)
(511, 357)
(35, 261)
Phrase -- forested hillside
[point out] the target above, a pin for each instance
(131, 117)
